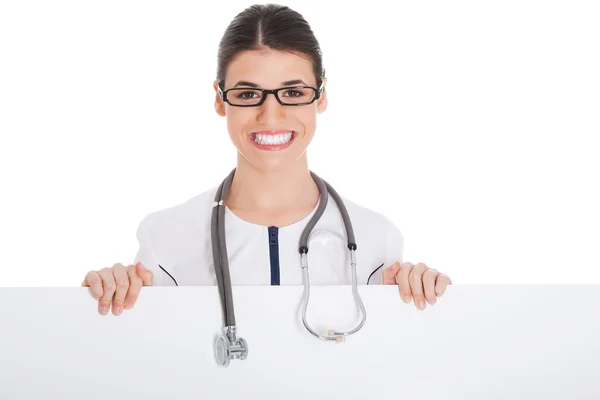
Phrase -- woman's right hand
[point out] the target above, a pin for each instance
(119, 286)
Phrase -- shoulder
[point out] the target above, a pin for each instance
(178, 220)
(169, 235)
(377, 226)
(377, 222)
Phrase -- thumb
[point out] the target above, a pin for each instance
(389, 274)
(144, 273)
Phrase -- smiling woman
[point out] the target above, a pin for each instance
(256, 121)
(270, 87)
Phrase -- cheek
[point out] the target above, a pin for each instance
(308, 119)
(237, 118)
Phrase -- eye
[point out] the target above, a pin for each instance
(295, 92)
(247, 95)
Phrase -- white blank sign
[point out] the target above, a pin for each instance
(477, 342)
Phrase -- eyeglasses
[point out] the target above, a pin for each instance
(286, 96)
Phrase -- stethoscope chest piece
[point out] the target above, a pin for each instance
(228, 347)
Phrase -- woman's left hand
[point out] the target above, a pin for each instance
(416, 281)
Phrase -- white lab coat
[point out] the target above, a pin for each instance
(175, 244)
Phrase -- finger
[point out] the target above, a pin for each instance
(135, 285)
(144, 273)
(109, 286)
(429, 279)
(93, 280)
(389, 274)
(441, 284)
(416, 285)
(122, 282)
(402, 281)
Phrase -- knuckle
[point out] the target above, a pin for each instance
(122, 280)
(134, 290)
(109, 286)
(131, 299)
(89, 279)
(431, 272)
(418, 271)
(122, 284)
(118, 268)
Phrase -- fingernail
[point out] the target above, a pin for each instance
(103, 309)
(406, 298)
(421, 304)
(127, 305)
(117, 309)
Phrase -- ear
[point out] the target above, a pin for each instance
(322, 102)
(219, 103)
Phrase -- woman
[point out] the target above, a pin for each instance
(272, 196)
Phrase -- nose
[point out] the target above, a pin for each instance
(271, 110)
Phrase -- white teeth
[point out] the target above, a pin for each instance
(272, 139)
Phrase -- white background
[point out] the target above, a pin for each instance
(472, 125)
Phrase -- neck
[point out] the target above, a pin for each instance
(281, 190)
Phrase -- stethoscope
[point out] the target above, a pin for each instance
(228, 346)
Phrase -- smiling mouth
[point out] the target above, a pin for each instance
(273, 140)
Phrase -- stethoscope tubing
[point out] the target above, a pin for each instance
(221, 262)
(219, 247)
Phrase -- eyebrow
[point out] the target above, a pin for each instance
(286, 83)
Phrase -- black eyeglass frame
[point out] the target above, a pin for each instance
(274, 92)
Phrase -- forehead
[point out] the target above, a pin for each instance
(268, 68)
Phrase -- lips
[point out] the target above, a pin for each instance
(272, 147)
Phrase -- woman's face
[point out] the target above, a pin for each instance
(269, 69)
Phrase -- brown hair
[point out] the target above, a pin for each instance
(269, 26)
